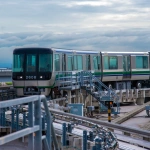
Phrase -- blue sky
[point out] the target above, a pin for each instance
(106, 25)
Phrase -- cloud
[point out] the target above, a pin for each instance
(74, 24)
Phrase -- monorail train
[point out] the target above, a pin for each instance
(38, 67)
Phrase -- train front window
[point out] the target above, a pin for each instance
(31, 63)
(45, 62)
(18, 62)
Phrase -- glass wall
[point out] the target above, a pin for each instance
(110, 62)
(45, 62)
(141, 62)
(57, 62)
(18, 63)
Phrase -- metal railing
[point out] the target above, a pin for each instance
(34, 129)
(108, 94)
(144, 134)
(86, 80)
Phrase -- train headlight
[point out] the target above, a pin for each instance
(20, 77)
(41, 77)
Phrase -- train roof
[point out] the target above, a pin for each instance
(32, 49)
(96, 52)
(75, 51)
(124, 53)
(61, 50)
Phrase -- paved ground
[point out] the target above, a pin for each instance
(140, 120)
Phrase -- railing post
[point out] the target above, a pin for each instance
(17, 119)
(84, 142)
(12, 119)
(4, 119)
(0, 116)
(38, 121)
(64, 138)
(24, 120)
(31, 124)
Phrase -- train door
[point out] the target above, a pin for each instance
(88, 62)
(126, 67)
(96, 65)
(63, 62)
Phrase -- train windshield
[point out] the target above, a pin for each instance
(31, 63)
(18, 63)
(45, 62)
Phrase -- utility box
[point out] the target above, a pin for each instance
(76, 109)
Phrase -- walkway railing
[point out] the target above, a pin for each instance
(34, 129)
(93, 85)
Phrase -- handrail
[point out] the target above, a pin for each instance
(34, 126)
(110, 92)
(82, 77)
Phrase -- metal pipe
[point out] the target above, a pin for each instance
(38, 121)
(50, 130)
(54, 138)
(31, 124)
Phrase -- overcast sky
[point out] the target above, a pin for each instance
(106, 25)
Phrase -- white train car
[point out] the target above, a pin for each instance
(35, 69)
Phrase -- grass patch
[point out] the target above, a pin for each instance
(8, 83)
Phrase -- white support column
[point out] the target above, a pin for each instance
(69, 97)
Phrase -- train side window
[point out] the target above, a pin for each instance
(106, 64)
(57, 62)
(113, 62)
(70, 63)
(141, 62)
(110, 62)
(75, 62)
(96, 62)
(78, 62)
